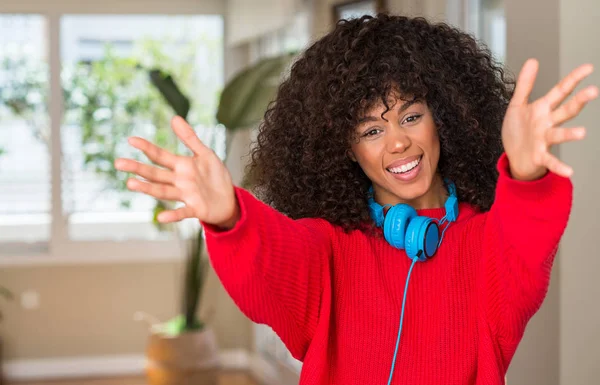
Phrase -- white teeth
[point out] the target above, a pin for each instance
(405, 167)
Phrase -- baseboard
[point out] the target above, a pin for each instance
(263, 371)
(235, 359)
(100, 366)
(267, 372)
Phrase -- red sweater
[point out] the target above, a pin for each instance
(334, 298)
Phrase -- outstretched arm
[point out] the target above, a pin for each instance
(273, 267)
(532, 204)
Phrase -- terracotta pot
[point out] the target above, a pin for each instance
(188, 359)
(1, 372)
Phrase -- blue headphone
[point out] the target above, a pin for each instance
(404, 229)
(419, 235)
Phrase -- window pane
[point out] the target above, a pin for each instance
(109, 96)
(493, 27)
(488, 23)
(24, 130)
(356, 9)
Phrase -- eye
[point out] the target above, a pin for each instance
(412, 118)
(372, 132)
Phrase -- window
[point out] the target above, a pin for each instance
(486, 20)
(294, 38)
(68, 206)
(24, 130)
(110, 97)
(355, 9)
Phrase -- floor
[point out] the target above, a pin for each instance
(226, 379)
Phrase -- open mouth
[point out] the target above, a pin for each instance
(406, 168)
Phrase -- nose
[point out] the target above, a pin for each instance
(398, 141)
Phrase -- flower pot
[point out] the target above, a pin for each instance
(1, 372)
(191, 358)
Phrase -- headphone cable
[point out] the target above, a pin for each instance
(402, 316)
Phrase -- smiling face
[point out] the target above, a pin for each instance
(399, 153)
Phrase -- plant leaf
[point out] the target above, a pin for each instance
(7, 294)
(169, 90)
(246, 97)
(195, 277)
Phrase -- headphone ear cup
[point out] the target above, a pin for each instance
(396, 222)
(376, 211)
(422, 235)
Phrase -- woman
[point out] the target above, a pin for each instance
(380, 128)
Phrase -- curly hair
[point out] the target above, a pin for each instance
(299, 164)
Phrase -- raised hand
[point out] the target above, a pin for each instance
(530, 129)
(201, 182)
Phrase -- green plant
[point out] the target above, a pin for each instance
(245, 98)
(6, 294)
(23, 93)
(242, 104)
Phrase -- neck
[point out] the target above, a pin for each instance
(434, 197)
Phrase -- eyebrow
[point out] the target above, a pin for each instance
(403, 108)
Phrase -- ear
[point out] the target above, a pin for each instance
(351, 155)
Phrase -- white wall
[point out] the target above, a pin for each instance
(248, 20)
(562, 343)
(205, 7)
(532, 31)
(580, 265)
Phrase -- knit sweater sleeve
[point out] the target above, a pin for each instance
(274, 268)
(521, 233)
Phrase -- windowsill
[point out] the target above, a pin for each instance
(47, 260)
(98, 253)
(123, 239)
(115, 226)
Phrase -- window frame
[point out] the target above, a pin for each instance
(266, 342)
(467, 14)
(59, 249)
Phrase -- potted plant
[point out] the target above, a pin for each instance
(7, 295)
(183, 350)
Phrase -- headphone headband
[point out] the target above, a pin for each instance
(451, 205)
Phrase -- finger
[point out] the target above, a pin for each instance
(169, 216)
(156, 190)
(151, 173)
(574, 106)
(556, 166)
(188, 136)
(562, 135)
(153, 152)
(525, 82)
(559, 92)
